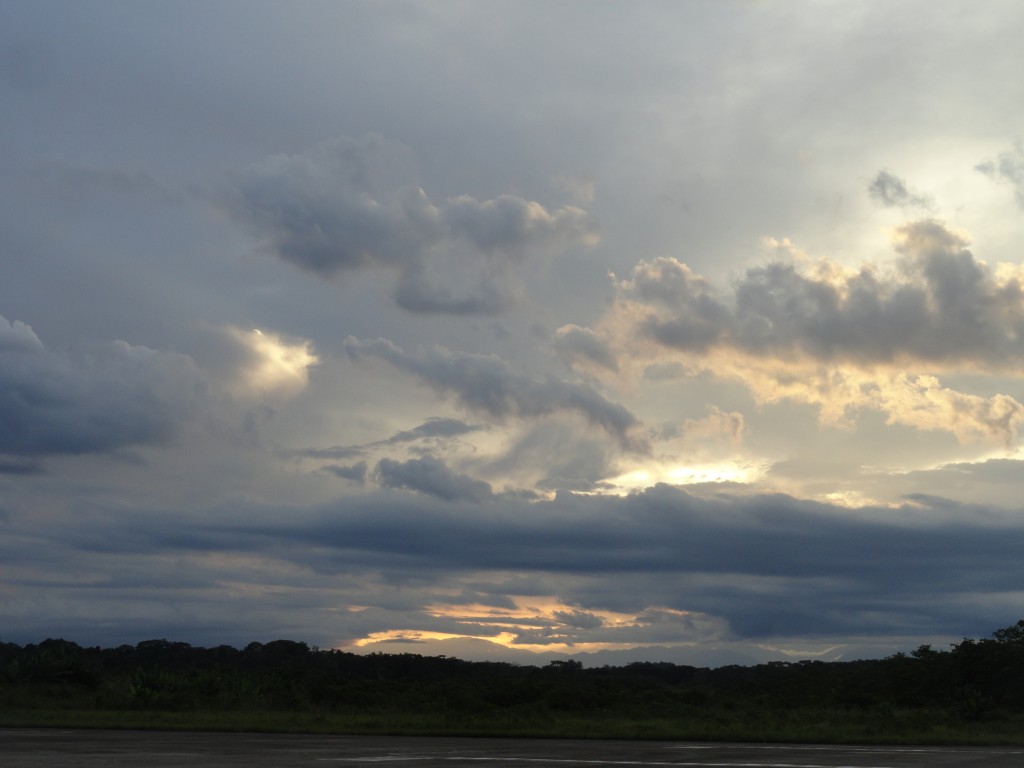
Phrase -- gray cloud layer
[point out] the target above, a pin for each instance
(768, 565)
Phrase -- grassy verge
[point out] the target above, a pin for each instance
(795, 726)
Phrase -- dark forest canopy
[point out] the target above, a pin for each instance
(974, 679)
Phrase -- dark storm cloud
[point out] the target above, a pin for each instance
(769, 565)
(350, 204)
(109, 397)
(432, 476)
(891, 191)
(1008, 167)
(485, 383)
(943, 306)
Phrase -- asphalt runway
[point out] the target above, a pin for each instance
(36, 748)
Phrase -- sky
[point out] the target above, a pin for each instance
(681, 331)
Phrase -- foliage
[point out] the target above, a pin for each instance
(974, 691)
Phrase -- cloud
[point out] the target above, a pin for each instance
(841, 338)
(919, 401)
(354, 472)
(996, 480)
(579, 619)
(716, 424)
(433, 435)
(891, 191)
(555, 456)
(333, 453)
(652, 566)
(477, 290)
(989, 471)
(111, 396)
(432, 476)
(219, 526)
(1008, 167)
(583, 630)
(575, 343)
(485, 383)
(922, 402)
(349, 204)
(684, 312)
(508, 223)
(434, 428)
(18, 336)
(939, 305)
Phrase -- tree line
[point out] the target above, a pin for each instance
(973, 680)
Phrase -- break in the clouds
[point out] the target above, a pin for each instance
(350, 204)
(271, 363)
(260, 379)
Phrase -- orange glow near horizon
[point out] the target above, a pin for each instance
(506, 639)
(507, 626)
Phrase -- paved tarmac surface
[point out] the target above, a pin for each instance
(36, 748)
